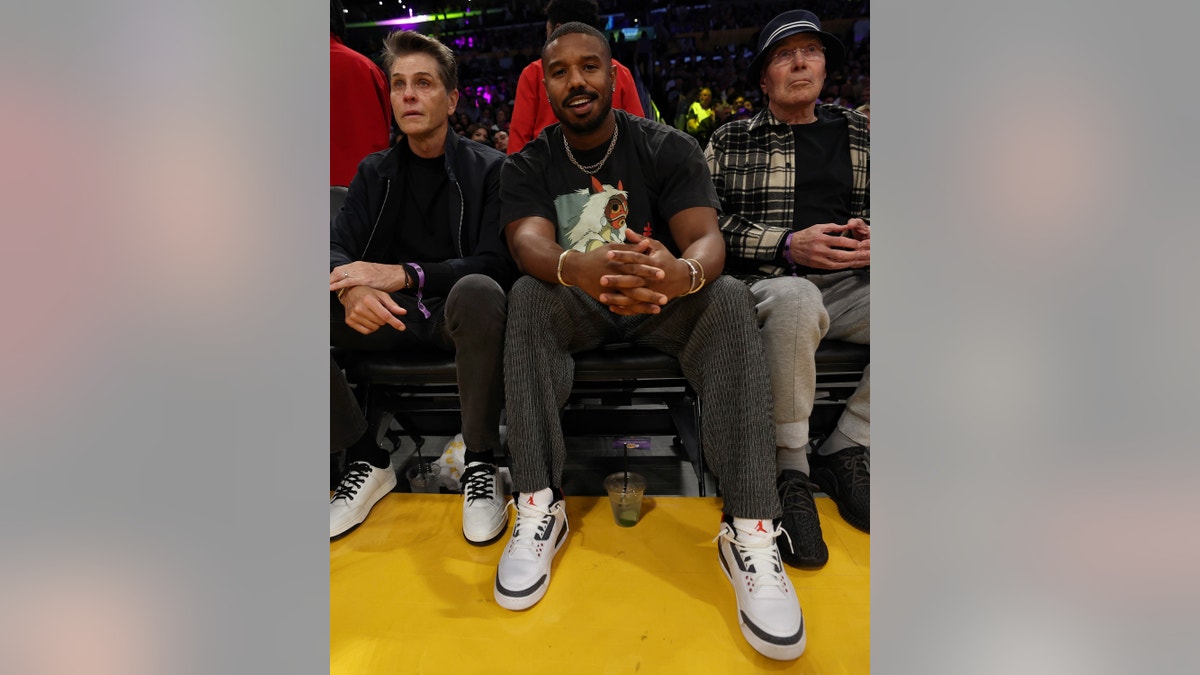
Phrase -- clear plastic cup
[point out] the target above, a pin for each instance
(625, 491)
(421, 478)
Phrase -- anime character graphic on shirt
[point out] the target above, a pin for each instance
(592, 217)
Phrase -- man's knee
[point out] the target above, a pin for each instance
(532, 301)
(796, 297)
(726, 299)
(478, 302)
(527, 290)
(474, 286)
(849, 303)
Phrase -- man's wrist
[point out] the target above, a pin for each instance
(562, 259)
(787, 252)
(695, 275)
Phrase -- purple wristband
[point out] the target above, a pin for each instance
(420, 288)
(787, 252)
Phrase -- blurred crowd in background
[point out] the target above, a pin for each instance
(689, 60)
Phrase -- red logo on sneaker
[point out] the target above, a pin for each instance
(760, 528)
(531, 501)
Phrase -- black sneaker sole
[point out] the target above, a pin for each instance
(854, 520)
(802, 563)
(794, 560)
(488, 542)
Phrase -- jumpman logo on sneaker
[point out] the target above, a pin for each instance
(530, 502)
(760, 528)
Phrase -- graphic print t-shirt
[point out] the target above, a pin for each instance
(654, 172)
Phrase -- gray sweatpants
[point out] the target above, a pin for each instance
(713, 335)
(795, 313)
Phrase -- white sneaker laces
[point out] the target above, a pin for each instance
(531, 521)
(760, 555)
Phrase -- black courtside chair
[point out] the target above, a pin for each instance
(619, 390)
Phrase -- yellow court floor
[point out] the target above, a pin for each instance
(409, 595)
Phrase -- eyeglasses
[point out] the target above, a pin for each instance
(810, 53)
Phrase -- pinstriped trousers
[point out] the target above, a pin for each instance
(713, 334)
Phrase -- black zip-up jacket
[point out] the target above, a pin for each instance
(371, 216)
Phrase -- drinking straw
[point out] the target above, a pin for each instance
(625, 473)
(423, 468)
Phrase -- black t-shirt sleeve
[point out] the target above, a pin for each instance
(686, 181)
(523, 187)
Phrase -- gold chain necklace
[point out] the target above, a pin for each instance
(592, 168)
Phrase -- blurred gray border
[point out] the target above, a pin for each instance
(1035, 334)
(164, 406)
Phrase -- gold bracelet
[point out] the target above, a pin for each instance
(341, 292)
(561, 259)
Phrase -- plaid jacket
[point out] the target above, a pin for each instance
(750, 161)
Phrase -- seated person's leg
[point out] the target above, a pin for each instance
(793, 320)
(346, 420)
(841, 465)
(369, 472)
(716, 339)
(476, 309)
(546, 324)
(855, 422)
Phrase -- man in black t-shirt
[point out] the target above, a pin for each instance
(794, 184)
(417, 262)
(613, 220)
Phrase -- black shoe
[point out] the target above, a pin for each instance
(846, 477)
(803, 545)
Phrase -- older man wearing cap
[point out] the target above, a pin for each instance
(794, 186)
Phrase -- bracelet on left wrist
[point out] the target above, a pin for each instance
(787, 252)
(562, 258)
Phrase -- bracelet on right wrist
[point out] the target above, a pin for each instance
(696, 270)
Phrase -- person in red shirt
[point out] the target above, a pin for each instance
(360, 108)
(531, 109)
